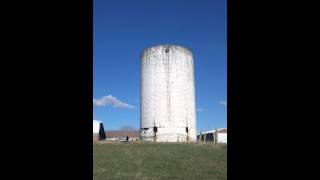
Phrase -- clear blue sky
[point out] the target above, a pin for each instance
(124, 28)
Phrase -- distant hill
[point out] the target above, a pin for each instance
(122, 133)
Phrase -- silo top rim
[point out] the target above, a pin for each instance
(167, 46)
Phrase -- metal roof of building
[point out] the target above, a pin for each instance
(219, 130)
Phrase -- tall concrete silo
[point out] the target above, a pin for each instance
(167, 95)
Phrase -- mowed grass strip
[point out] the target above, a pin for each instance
(159, 161)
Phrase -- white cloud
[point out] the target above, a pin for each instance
(111, 101)
(200, 109)
(223, 103)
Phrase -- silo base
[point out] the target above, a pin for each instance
(166, 134)
(167, 138)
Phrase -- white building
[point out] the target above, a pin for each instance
(216, 136)
(221, 135)
(98, 130)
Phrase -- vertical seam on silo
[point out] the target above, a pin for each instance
(154, 95)
(185, 92)
(168, 85)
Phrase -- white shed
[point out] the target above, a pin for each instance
(216, 135)
(98, 130)
(96, 126)
(221, 135)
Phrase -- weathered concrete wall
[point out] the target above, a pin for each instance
(167, 94)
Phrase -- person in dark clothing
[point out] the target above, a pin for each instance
(127, 138)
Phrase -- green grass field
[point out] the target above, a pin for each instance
(159, 161)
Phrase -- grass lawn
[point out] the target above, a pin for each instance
(159, 161)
